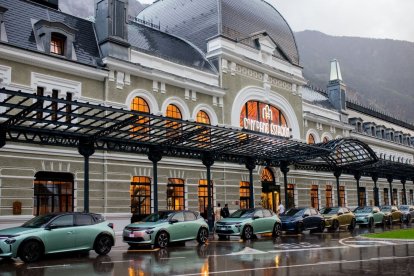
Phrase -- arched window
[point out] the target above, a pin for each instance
(53, 192)
(311, 139)
(203, 118)
(140, 191)
(173, 112)
(262, 117)
(203, 196)
(270, 197)
(140, 126)
(244, 194)
(175, 194)
(267, 175)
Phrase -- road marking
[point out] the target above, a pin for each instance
(374, 242)
(298, 265)
(307, 249)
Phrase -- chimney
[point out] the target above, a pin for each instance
(112, 27)
(54, 4)
(336, 87)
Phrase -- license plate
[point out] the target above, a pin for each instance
(136, 235)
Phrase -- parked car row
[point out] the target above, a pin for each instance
(63, 232)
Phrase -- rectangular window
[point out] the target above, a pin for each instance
(328, 193)
(386, 198)
(203, 196)
(140, 192)
(57, 44)
(314, 197)
(244, 194)
(341, 196)
(40, 92)
(68, 108)
(362, 197)
(175, 194)
(291, 195)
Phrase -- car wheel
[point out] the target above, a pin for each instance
(162, 239)
(202, 236)
(335, 225)
(352, 225)
(31, 251)
(103, 244)
(299, 227)
(247, 233)
(321, 226)
(371, 223)
(277, 230)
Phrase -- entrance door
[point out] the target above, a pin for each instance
(270, 200)
(270, 192)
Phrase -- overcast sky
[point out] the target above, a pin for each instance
(364, 18)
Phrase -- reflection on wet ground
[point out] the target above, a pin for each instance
(338, 253)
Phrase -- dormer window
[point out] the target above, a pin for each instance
(57, 44)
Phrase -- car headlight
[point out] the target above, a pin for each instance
(149, 231)
(10, 241)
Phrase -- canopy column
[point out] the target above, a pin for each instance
(337, 174)
(155, 155)
(357, 176)
(390, 179)
(250, 165)
(86, 149)
(376, 194)
(403, 181)
(208, 161)
(285, 169)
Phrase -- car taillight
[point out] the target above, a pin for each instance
(111, 225)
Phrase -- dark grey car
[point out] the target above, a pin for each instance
(408, 212)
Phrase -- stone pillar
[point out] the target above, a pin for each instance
(86, 148)
(155, 155)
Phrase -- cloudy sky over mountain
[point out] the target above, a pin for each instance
(364, 18)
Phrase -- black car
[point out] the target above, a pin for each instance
(300, 219)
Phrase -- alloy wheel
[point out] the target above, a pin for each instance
(103, 245)
(162, 239)
(202, 236)
(31, 251)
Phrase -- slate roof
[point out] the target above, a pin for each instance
(18, 21)
(200, 20)
(316, 97)
(166, 46)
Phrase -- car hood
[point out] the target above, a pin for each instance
(329, 216)
(18, 231)
(233, 220)
(288, 218)
(147, 224)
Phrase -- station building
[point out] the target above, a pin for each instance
(232, 64)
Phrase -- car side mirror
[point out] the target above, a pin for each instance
(305, 215)
(256, 217)
(51, 226)
(340, 213)
(172, 221)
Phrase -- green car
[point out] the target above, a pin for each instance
(56, 233)
(248, 222)
(159, 229)
(336, 217)
(369, 216)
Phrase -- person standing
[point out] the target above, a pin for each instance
(225, 211)
(281, 208)
(217, 212)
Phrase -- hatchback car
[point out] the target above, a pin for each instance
(300, 219)
(369, 216)
(408, 212)
(392, 214)
(55, 233)
(336, 217)
(160, 229)
(248, 222)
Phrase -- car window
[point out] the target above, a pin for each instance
(258, 213)
(84, 219)
(63, 221)
(313, 212)
(366, 209)
(294, 212)
(329, 211)
(266, 213)
(189, 216)
(242, 213)
(179, 216)
(38, 221)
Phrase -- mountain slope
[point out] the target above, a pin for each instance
(379, 73)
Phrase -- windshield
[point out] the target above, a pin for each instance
(242, 213)
(294, 212)
(329, 211)
(386, 208)
(363, 210)
(161, 216)
(38, 221)
(404, 207)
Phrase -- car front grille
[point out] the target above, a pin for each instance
(224, 231)
(128, 239)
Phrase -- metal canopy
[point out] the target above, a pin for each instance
(390, 169)
(30, 118)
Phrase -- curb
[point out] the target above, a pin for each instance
(359, 237)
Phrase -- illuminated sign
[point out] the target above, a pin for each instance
(266, 127)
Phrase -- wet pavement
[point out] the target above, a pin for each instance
(339, 253)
